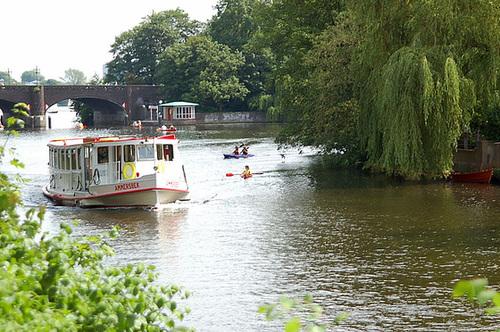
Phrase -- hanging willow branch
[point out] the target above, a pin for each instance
(418, 115)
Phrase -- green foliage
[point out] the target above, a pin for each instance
(314, 80)
(20, 114)
(6, 78)
(74, 77)
(234, 25)
(421, 68)
(201, 70)
(32, 77)
(298, 314)
(136, 52)
(416, 116)
(84, 112)
(50, 283)
(491, 121)
(477, 290)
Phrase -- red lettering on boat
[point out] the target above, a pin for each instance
(127, 186)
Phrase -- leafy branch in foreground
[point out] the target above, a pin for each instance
(476, 290)
(298, 314)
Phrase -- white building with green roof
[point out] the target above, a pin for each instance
(178, 110)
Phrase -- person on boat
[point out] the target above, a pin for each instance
(244, 151)
(163, 127)
(236, 151)
(172, 127)
(246, 172)
(102, 155)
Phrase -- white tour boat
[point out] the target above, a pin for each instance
(116, 171)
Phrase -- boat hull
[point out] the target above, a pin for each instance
(236, 156)
(475, 177)
(149, 197)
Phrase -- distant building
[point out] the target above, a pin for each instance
(177, 110)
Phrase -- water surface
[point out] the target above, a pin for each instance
(386, 252)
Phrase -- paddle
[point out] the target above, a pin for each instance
(231, 174)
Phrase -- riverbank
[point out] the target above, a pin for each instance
(215, 118)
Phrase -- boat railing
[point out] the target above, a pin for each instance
(65, 179)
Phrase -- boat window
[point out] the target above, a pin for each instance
(51, 157)
(146, 152)
(128, 153)
(117, 154)
(159, 152)
(102, 154)
(56, 158)
(168, 152)
(74, 159)
(68, 159)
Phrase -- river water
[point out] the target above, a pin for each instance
(388, 253)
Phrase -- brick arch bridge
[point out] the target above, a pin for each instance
(115, 104)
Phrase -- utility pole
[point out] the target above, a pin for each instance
(37, 71)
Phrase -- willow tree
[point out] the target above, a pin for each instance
(423, 67)
(418, 115)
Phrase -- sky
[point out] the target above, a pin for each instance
(55, 35)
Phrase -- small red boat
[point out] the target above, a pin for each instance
(477, 177)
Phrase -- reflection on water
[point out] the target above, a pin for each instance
(387, 252)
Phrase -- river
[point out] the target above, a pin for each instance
(386, 252)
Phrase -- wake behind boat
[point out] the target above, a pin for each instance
(119, 171)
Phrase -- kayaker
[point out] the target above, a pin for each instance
(244, 151)
(246, 171)
(236, 151)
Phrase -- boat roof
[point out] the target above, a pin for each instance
(92, 140)
(179, 103)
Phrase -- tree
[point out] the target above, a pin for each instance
(52, 81)
(32, 77)
(6, 78)
(328, 117)
(234, 25)
(135, 52)
(84, 112)
(203, 71)
(421, 68)
(73, 77)
(313, 46)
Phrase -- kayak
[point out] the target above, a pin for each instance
(237, 156)
(246, 176)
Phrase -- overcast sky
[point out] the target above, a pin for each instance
(55, 35)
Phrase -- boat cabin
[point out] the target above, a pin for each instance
(76, 164)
